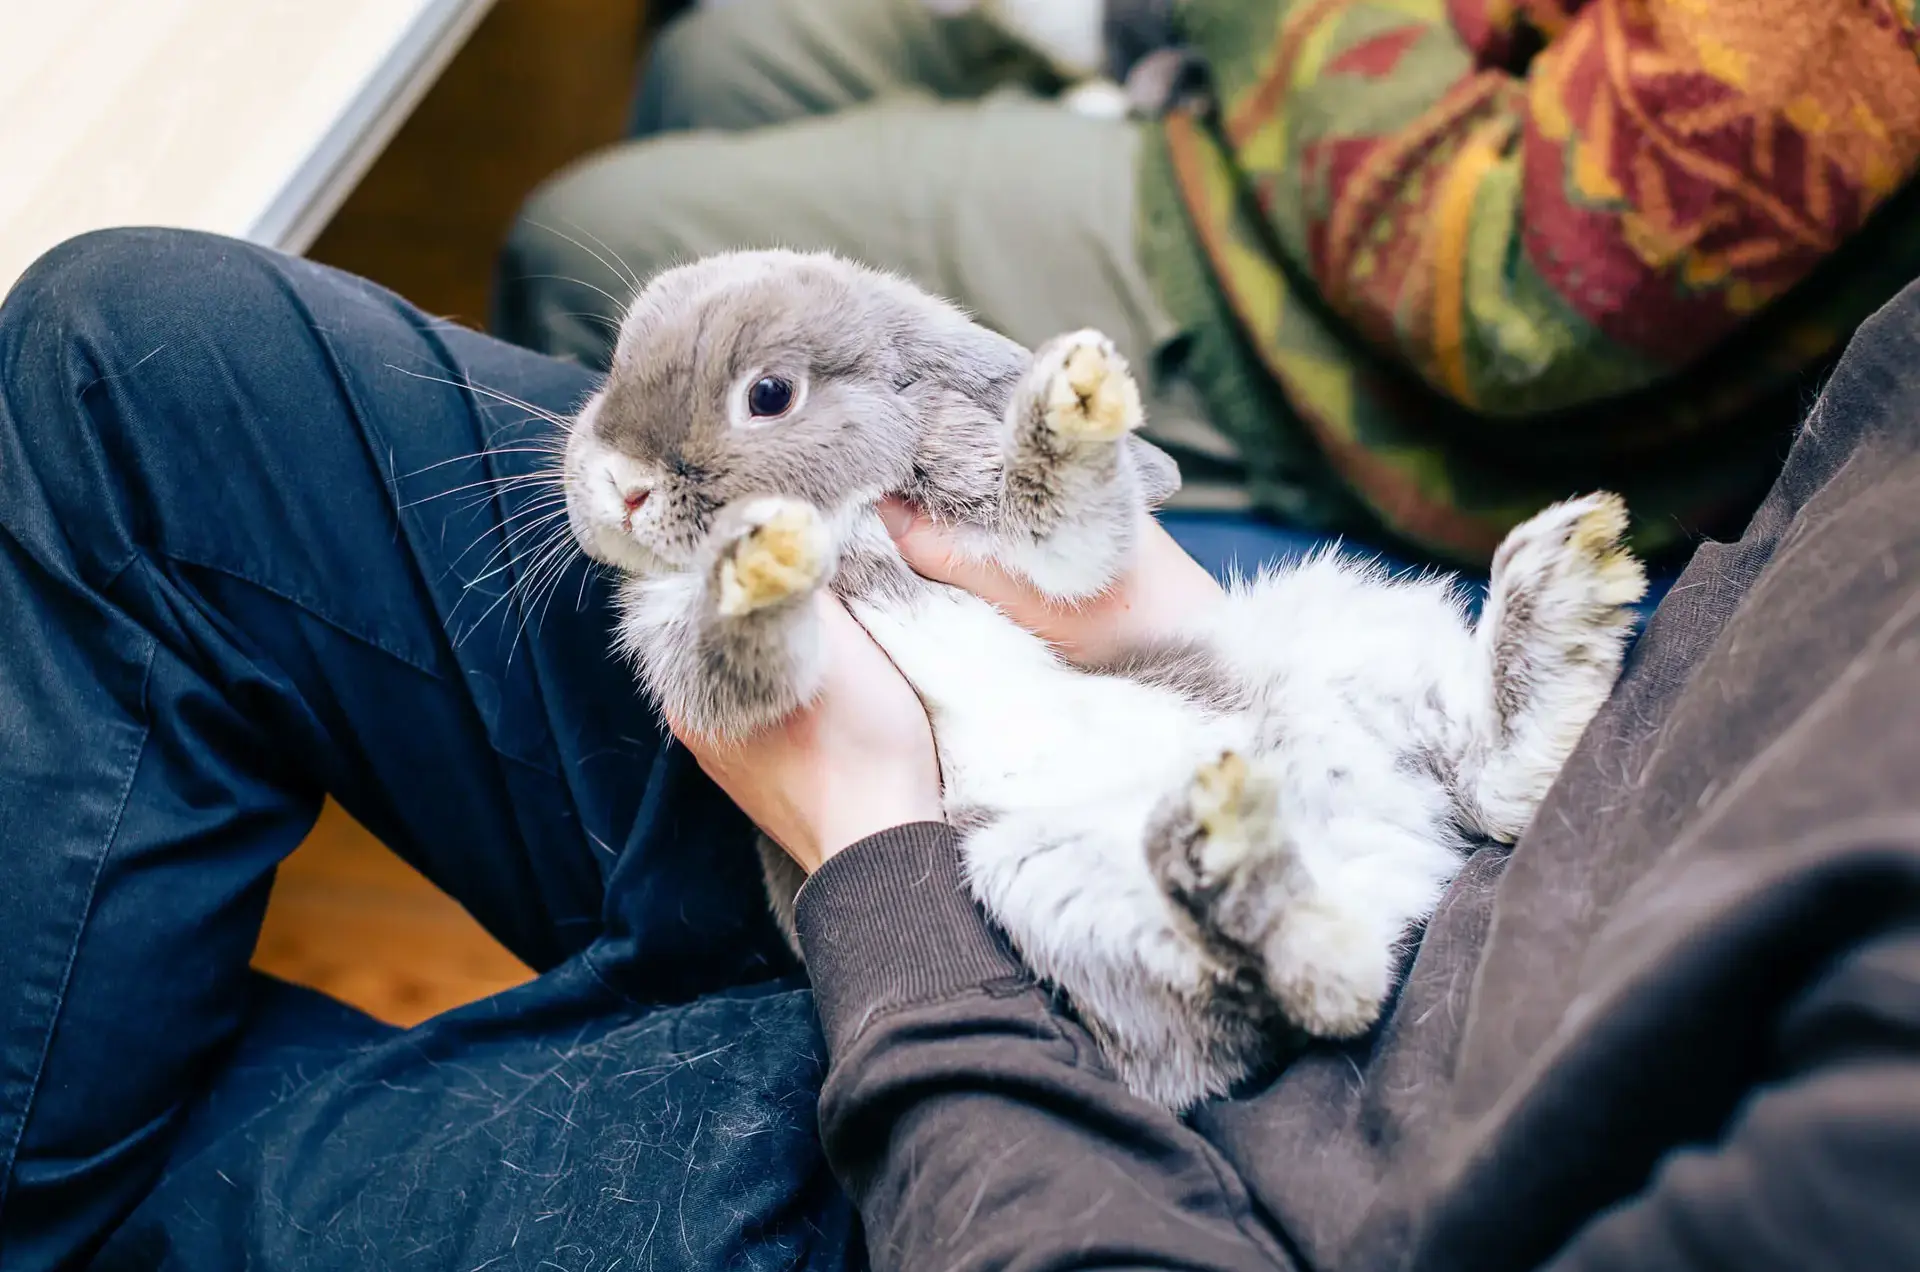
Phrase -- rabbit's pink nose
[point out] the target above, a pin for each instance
(633, 497)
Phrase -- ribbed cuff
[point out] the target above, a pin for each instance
(888, 923)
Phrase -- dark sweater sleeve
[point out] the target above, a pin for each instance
(1819, 1168)
(975, 1125)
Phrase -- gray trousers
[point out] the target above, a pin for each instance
(879, 131)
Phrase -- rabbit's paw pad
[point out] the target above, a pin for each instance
(1221, 829)
(1614, 576)
(1090, 395)
(780, 551)
(1218, 799)
(1573, 560)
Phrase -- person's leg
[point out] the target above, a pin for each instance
(1690, 1003)
(739, 64)
(550, 1126)
(1014, 206)
(251, 551)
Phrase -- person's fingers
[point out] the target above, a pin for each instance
(1177, 575)
(932, 553)
(1161, 588)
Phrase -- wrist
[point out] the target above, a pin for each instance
(840, 839)
(881, 808)
(892, 924)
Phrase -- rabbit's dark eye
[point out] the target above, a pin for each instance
(770, 395)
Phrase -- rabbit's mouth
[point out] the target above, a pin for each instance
(623, 552)
(611, 507)
(634, 501)
(625, 540)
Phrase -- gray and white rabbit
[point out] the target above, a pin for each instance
(1218, 843)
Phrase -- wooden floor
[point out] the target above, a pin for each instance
(539, 83)
(351, 919)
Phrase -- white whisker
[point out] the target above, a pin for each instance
(483, 454)
(619, 271)
(506, 593)
(546, 522)
(498, 396)
(551, 568)
(493, 485)
(617, 303)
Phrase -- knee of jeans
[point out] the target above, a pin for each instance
(112, 271)
(75, 332)
(94, 306)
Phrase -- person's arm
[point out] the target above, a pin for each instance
(973, 1123)
(1820, 1168)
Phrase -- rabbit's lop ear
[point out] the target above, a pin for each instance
(845, 321)
(937, 344)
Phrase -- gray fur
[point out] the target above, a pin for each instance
(1188, 667)
(892, 376)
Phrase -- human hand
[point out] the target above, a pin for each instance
(1162, 588)
(858, 761)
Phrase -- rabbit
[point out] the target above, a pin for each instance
(1215, 847)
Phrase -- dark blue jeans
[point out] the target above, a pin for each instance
(260, 541)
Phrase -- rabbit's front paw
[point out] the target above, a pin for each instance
(1089, 394)
(778, 548)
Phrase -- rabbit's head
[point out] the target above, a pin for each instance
(756, 373)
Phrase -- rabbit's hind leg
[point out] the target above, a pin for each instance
(1549, 646)
(1323, 934)
(1224, 857)
(1072, 493)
